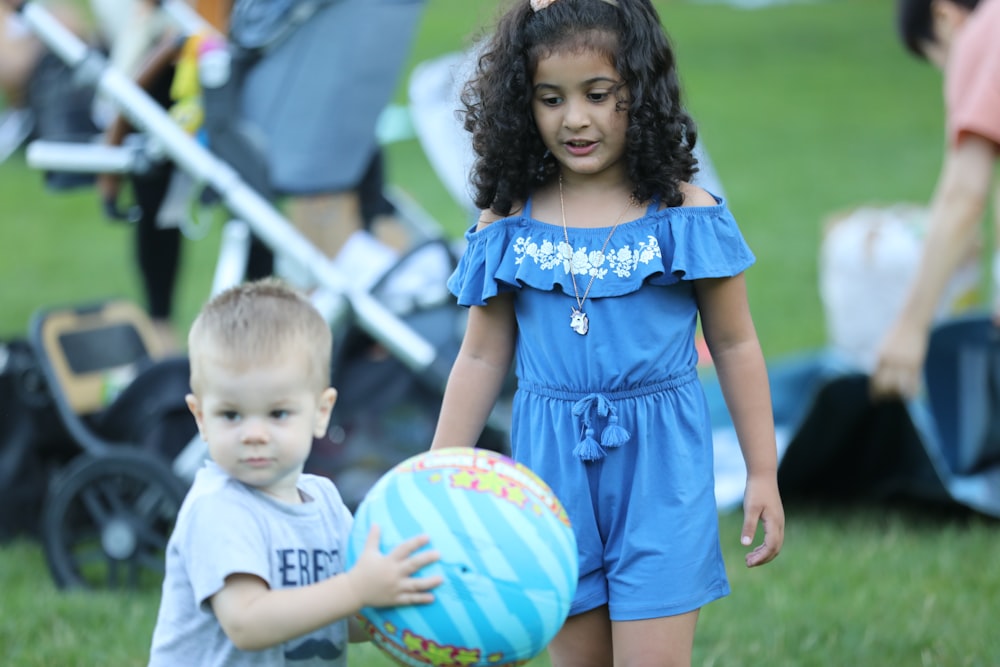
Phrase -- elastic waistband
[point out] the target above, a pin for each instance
(551, 392)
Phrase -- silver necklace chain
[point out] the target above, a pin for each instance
(578, 320)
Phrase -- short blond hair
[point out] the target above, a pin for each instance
(261, 320)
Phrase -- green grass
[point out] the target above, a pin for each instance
(866, 587)
(806, 110)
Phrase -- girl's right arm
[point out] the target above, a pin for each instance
(478, 373)
(480, 369)
(255, 617)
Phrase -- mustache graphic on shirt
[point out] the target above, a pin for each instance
(315, 648)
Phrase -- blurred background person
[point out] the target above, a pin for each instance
(962, 38)
(37, 91)
(318, 73)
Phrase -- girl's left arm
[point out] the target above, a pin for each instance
(732, 340)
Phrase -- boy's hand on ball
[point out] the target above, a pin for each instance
(386, 580)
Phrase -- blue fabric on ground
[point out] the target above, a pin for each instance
(835, 443)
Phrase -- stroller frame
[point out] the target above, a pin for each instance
(243, 201)
(130, 495)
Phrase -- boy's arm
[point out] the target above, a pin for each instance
(256, 617)
(739, 362)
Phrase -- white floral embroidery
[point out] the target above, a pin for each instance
(621, 261)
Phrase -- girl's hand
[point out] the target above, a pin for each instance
(386, 580)
(762, 504)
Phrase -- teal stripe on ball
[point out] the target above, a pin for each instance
(471, 560)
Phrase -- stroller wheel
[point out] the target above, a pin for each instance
(106, 520)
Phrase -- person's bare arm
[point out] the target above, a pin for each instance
(161, 55)
(256, 617)
(739, 362)
(480, 369)
(478, 374)
(956, 209)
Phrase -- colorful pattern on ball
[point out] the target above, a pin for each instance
(508, 557)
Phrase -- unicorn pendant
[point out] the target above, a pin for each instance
(578, 322)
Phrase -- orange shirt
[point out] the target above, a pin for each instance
(972, 76)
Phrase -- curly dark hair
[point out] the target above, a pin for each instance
(511, 159)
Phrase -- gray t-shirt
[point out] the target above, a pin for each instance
(225, 527)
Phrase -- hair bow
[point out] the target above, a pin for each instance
(542, 4)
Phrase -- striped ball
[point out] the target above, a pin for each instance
(508, 558)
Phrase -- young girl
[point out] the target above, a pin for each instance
(590, 265)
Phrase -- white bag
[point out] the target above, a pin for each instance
(867, 261)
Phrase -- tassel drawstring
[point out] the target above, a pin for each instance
(613, 435)
(589, 449)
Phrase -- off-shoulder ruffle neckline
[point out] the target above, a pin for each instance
(661, 248)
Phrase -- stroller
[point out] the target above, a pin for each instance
(102, 423)
(100, 416)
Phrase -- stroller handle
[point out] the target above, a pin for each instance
(84, 158)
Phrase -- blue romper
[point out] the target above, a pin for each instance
(616, 421)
